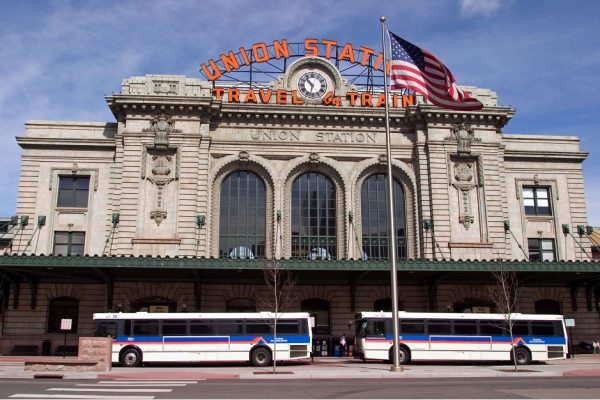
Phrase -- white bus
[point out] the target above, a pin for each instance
(195, 337)
(460, 337)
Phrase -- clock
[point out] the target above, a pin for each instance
(312, 85)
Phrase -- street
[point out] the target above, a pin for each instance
(454, 388)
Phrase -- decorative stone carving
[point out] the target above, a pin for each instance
(314, 157)
(162, 162)
(161, 125)
(165, 87)
(382, 159)
(464, 182)
(162, 175)
(74, 168)
(243, 155)
(465, 136)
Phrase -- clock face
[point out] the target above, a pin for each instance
(312, 85)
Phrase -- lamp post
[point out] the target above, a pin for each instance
(396, 367)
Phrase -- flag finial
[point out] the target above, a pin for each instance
(382, 19)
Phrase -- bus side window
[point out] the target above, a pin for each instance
(146, 327)
(412, 326)
(521, 328)
(542, 328)
(201, 328)
(375, 328)
(106, 329)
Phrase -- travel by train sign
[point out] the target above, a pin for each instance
(311, 85)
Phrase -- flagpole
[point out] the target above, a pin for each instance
(396, 367)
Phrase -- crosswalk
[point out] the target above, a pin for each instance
(122, 389)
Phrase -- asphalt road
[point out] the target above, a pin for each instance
(447, 388)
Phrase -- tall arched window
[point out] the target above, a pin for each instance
(243, 215)
(241, 304)
(374, 215)
(385, 304)
(314, 217)
(61, 308)
(547, 306)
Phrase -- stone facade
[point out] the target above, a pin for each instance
(160, 166)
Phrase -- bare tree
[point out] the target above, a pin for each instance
(504, 296)
(277, 298)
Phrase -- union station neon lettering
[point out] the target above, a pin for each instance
(280, 49)
(260, 53)
(264, 96)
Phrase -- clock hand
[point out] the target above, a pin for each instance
(312, 85)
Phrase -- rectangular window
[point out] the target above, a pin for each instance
(174, 327)
(541, 249)
(542, 328)
(375, 328)
(69, 243)
(536, 200)
(412, 326)
(439, 327)
(257, 327)
(465, 327)
(73, 191)
(145, 328)
(201, 328)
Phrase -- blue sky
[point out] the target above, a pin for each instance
(58, 59)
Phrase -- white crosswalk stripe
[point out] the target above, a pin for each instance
(124, 387)
(75, 396)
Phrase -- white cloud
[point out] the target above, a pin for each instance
(470, 8)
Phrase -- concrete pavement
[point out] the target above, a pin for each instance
(321, 368)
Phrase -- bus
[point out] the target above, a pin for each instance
(460, 337)
(194, 337)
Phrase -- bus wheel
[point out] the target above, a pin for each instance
(260, 357)
(131, 358)
(522, 355)
(403, 355)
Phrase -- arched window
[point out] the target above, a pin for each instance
(547, 306)
(374, 214)
(319, 309)
(243, 215)
(314, 217)
(61, 308)
(385, 304)
(241, 304)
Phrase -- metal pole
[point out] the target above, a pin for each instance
(396, 367)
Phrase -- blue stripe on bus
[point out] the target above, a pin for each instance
(474, 339)
(209, 339)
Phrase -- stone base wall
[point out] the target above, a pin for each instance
(98, 349)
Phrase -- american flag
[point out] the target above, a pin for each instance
(418, 70)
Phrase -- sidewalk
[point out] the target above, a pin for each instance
(321, 368)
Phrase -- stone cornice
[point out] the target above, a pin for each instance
(54, 142)
(542, 155)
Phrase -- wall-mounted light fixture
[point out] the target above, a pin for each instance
(41, 220)
(581, 229)
(506, 225)
(200, 220)
(24, 220)
(589, 230)
(427, 224)
(115, 218)
(14, 220)
(566, 229)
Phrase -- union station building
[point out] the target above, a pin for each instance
(181, 201)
